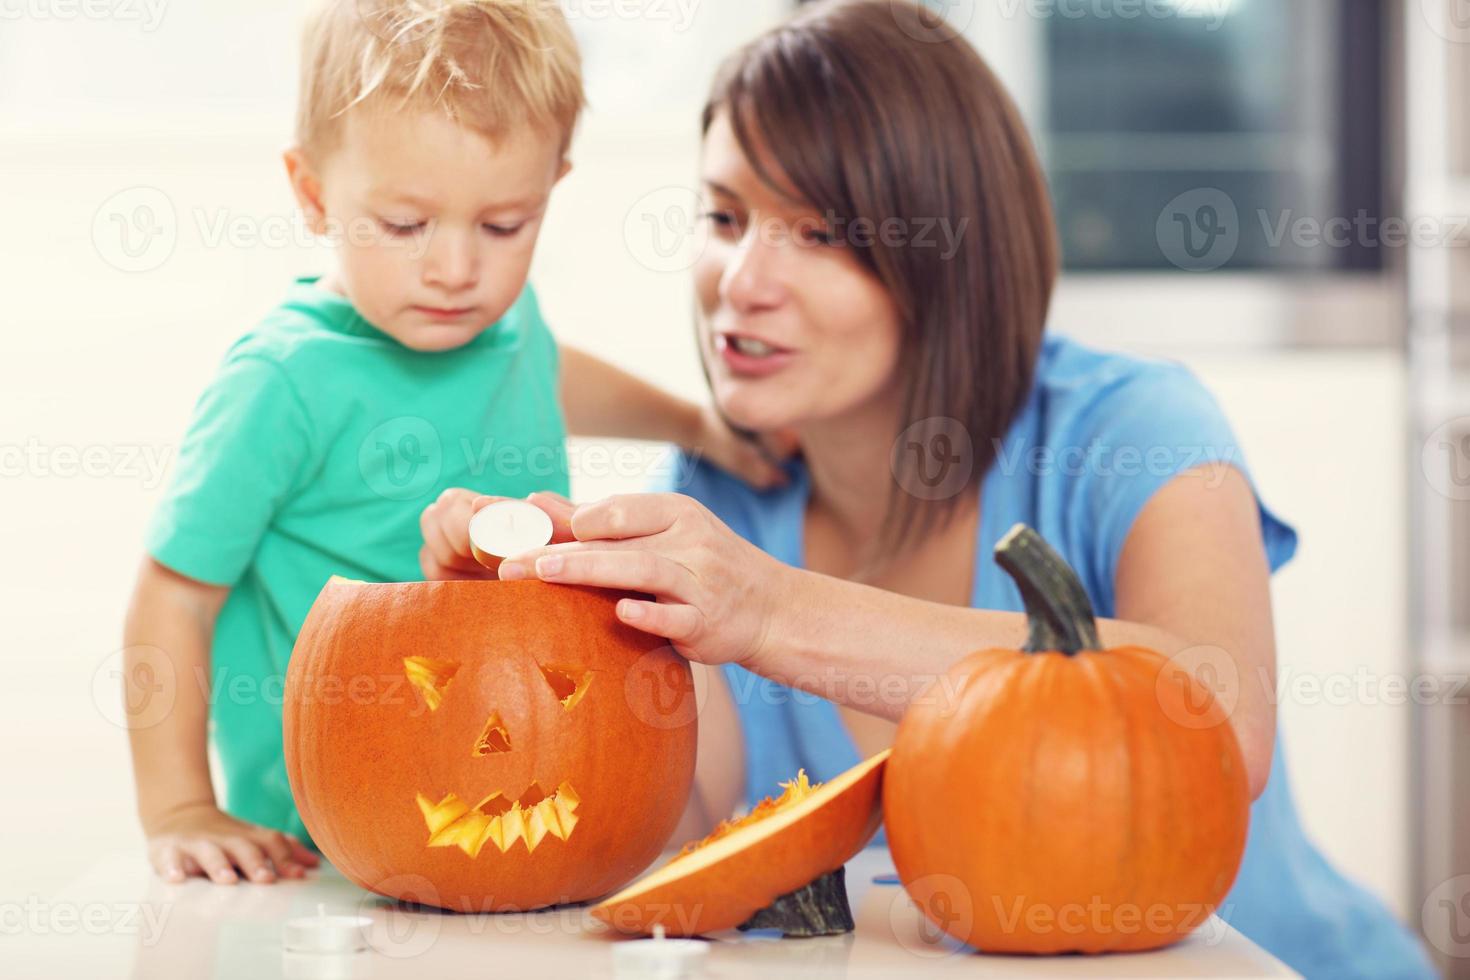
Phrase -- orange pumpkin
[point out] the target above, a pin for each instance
(485, 746)
(1063, 797)
(778, 867)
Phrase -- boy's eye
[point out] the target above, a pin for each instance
(504, 231)
(402, 227)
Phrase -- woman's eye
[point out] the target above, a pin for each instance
(724, 221)
(401, 228)
(820, 236)
(504, 231)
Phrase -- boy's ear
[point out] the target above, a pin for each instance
(308, 189)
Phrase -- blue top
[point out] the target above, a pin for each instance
(1099, 434)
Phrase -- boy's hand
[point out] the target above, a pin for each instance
(757, 462)
(201, 840)
(445, 524)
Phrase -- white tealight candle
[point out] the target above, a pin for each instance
(326, 934)
(658, 958)
(506, 528)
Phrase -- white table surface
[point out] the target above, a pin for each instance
(120, 921)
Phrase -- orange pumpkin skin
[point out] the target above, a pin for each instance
(1046, 803)
(373, 764)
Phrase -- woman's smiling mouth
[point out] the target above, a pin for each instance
(751, 357)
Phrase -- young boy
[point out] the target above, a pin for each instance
(429, 138)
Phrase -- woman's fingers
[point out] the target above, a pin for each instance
(524, 565)
(673, 621)
(629, 516)
(627, 569)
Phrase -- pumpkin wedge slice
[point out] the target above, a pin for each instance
(779, 867)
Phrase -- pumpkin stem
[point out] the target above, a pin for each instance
(1057, 608)
(818, 908)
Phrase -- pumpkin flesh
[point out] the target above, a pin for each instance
(746, 865)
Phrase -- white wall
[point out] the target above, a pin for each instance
(1324, 435)
(198, 109)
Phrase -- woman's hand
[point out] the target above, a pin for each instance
(202, 840)
(446, 528)
(714, 593)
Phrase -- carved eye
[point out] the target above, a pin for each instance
(430, 677)
(567, 684)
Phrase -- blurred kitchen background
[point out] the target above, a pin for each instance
(1276, 192)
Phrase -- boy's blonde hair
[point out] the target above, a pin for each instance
(491, 65)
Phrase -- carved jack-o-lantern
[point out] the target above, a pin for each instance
(485, 746)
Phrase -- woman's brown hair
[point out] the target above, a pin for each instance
(876, 110)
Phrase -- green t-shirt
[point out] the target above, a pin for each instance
(313, 454)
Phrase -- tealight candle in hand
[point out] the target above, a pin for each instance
(506, 528)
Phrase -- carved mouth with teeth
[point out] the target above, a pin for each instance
(530, 818)
(499, 821)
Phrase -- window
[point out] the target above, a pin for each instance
(1252, 124)
(1200, 134)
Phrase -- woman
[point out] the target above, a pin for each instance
(880, 265)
